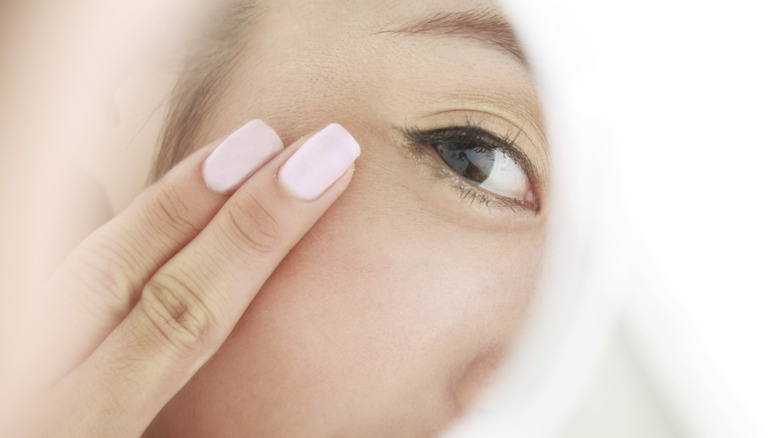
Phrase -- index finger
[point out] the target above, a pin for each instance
(192, 303)
(101, 280)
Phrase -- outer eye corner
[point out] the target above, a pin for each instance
(486, 162)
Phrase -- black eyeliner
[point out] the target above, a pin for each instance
(477, 137)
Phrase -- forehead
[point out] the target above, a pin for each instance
(344, 35)
(373, 15)
(383, 8)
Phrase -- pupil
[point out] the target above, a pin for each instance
(473, 163)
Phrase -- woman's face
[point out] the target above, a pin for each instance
(389, 314)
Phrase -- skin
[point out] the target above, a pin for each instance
(388, 316)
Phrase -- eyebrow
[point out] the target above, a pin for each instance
(484, 25)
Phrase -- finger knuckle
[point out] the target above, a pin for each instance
(176, 312)
(106, 276)
(169, 207)
(253, 227)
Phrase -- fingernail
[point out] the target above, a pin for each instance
(244, 151)
(319, 162)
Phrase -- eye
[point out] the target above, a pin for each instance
(485, 161)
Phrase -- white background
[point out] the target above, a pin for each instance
(683, 98)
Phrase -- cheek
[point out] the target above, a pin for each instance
(382, 310)
(392, 285)
(381, 321)
(374, 320)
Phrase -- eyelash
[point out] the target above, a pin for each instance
(483, 140)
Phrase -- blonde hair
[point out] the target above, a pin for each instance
(204, 71)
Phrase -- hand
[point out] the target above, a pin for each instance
(145, 300)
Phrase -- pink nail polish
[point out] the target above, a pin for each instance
(244, 151)
(319, 162)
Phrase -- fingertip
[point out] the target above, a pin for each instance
(240, 155)
(317, 164)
